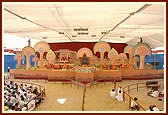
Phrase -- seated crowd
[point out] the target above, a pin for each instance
(20, 97)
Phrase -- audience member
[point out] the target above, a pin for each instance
(155, 93)
(12, 108)
(134, 104)
(6, 107)
(16, 106)
(119, 89)
(155, 108)
(35, 91)
(119, 97)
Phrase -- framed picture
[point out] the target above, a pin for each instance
(63, 57)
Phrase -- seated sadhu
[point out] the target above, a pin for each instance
(64, 66)
(48, 66)
(128, 66)
(113, 66)
(56, 66)
(104, 66)
(122, 66)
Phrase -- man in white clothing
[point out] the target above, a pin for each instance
(134, 104)
(119, 89)
(119, 97)
(113, 93)
(155, 108)
(155, 93)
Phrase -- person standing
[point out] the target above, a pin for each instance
(119, 97)
(119, 89)
(8, 69)
(113, 93)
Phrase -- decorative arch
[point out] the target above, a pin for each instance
(87, 51)
(50, 56)
(28, 51)
(113, 55)
(18, 57)
(101, 47)
(41, 47)
(129, 49)
(142, 49)
(122, 57)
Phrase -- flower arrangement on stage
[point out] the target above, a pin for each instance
(85, 70)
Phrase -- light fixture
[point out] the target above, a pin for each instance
(93, 35)
(61, 32)
(122, 36)
(74, 35)
(44, 36)
(103, 32)
(80, 28)
(82, 33)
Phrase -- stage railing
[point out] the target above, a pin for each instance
(136, 86)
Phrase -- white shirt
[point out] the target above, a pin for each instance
(113, 94)
(31, 105)
(119, 97)
(21, 104)
(24, 109)
(133, 103)
(155, 109)
(155, 94)
(119, 90)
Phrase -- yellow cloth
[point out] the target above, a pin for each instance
(6, 108)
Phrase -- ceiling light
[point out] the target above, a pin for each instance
(61, 32)
(81, 29)
(122, 36)
(44, 36)
(82, 33)
(93, 35)
(103, 32)
(74, 35)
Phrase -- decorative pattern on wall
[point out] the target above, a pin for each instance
(18, 57)
(142, 49)
(50, 56)
(87, 51)
(28, 51)
(113, 55)
(41, 47)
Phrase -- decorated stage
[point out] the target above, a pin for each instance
(106, 75)
(85, 65)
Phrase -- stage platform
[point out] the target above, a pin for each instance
(105, 75)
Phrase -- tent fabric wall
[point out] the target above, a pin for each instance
(9, 61)
(155, 58)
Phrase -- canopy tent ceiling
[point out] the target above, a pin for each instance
(116, 22)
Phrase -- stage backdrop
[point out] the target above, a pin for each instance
(75, 46)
